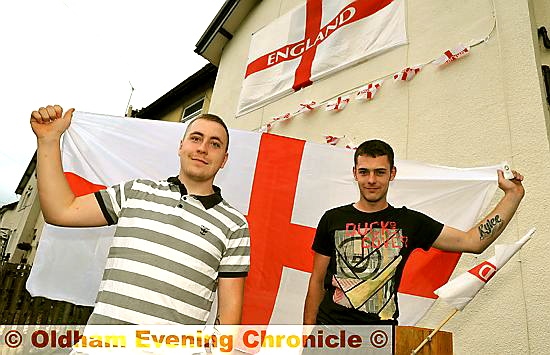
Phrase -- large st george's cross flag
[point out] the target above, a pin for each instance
(282, 185)
(315, 40)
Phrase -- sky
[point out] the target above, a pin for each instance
(88, 55)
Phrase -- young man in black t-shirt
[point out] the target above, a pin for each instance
(361, 248)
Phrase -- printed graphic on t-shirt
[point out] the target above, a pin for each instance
(367, 256)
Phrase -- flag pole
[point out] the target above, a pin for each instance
(130, 99)
(467, 293)
(429, 337)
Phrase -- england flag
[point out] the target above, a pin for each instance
(282, 185)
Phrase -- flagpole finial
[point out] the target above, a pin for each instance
(527, 235)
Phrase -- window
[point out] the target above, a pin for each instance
(192, 110)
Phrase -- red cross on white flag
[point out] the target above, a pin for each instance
(307, 106)
(305, 45)
(332, 140)
(339, 104)
(407, 74)
(95, 154)
(462, 289)
(451, 55)
(368, 91)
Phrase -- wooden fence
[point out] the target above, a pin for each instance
(18, 307)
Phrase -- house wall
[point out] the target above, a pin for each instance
(487, 107)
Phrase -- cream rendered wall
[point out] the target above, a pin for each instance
(174, 115)
(478, 111)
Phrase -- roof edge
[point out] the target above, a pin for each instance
(216, 26)
(208, 72)
(26, 175)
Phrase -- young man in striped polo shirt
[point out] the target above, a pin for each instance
(176, 242)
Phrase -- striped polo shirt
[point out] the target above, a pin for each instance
(168, 251)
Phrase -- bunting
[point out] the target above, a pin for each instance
(407, 74)
(367, 92)
(451, 55)
(339, 104)
(307, 107)
(332, 140)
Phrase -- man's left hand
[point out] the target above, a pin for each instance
(512, 186)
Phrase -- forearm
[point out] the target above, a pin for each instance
(315, 294)
(230, 314)
(490, 227)
(316, 288)
(53, 190)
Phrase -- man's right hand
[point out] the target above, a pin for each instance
(49, 122)
(58, 203)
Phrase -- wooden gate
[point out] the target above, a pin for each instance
(18, 307)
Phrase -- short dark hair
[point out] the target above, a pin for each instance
(213, 118)
(374, 148)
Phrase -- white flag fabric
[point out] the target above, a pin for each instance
(339, 104)
(407, 74)
(451, 55)
(265, 128)
(275, 181)
(368, 91)
(461, 290)
(332, 140)
(307, 106)
(315, 40)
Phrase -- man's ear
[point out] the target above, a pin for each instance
(393, 173)
(354, 173)
(224, 160)
(179, 148)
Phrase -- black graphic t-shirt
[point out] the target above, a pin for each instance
(368, 253)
